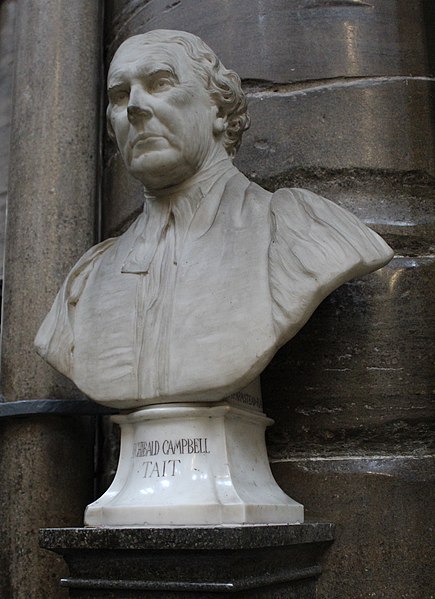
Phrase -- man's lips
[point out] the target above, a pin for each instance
(145, 137)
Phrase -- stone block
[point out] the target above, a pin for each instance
(340, 126)
(252, 562)
(383, 510)
(365, 385)
(290, 40)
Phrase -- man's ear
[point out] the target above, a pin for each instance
(220, 125)
(219, 122)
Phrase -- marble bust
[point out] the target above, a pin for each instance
(193, 300)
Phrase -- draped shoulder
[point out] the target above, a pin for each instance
(55, 339)
(316, 246)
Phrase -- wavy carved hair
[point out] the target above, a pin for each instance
(223, 85)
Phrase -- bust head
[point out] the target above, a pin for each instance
(174, 109)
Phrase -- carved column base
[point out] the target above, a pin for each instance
(267, 562)
(193, 465)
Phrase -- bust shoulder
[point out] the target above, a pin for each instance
(316, 246)
(55, 339)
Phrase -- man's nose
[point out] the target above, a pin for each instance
(136, 112)
(138, 106)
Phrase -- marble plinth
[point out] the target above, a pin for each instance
(194, 465)
(252, 561)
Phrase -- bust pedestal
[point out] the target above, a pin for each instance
(194, 465)
(193, 511)
(252, 561)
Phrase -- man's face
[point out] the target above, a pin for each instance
(160, 112)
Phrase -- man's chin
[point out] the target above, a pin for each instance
(160, 169)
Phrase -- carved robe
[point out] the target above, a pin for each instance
(194, 299)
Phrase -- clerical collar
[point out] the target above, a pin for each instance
(180, 204)
(204, 180)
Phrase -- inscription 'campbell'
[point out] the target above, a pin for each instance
(170, 447)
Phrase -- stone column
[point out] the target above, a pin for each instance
(7, 22)
(46, 466)
(340, 97)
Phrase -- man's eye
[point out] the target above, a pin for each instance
(119, 97)
(161, 84)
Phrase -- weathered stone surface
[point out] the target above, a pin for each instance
(317, 127)
(251, 561)
(291, 40)
(52, 187)
(46, 465)
(383, 509)
(366, 384)
(7, 20)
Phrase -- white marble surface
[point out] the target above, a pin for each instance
(194, 299)
(194, 465)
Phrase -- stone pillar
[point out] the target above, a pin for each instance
(340, 99)
(7, 22)
(46, 462)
